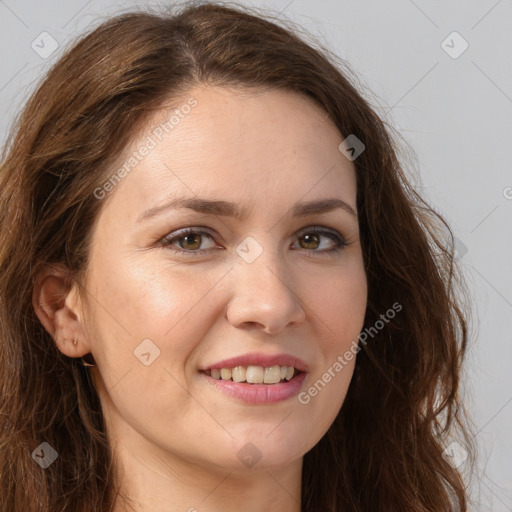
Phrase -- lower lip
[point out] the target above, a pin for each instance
(258, 393)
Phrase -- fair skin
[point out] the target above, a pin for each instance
(176, 437)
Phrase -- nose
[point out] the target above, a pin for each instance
(264, 296)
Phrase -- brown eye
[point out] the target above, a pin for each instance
(191, 241)
(188, 241)
(312, 241)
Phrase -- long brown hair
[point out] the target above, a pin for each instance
(384, 450)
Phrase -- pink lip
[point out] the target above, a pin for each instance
(260, 359)
(258, 393)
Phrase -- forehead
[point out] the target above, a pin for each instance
(238, 144)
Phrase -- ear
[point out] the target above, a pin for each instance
(57, 304)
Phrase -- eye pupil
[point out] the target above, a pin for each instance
(311, 238)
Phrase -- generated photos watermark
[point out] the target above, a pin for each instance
(343, 360)
(156, 136)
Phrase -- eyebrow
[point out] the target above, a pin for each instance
(229, 209)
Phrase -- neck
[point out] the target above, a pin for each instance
(158, 482)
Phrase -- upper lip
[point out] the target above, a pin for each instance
(260, 359)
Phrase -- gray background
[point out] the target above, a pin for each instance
(454, 112)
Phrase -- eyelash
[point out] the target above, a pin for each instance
(341, 243)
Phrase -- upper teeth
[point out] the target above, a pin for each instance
(254, 374)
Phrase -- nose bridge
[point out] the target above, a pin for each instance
(263, 292)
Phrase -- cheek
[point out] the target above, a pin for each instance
(148, 298)
(339, 306)
(136, 302)
(339, 301)
(154, 315)
(342, 305)
(171, 304)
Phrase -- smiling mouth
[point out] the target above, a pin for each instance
(254, 374)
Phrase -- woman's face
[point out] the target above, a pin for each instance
(264, 286)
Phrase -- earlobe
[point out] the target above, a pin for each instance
(56, 304)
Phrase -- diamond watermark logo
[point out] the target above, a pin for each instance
(351, 147)
(44, 45)
(44, 455)
(249, 250)
(249, 455)
(454, 454)
(454, 45)
(146, 352)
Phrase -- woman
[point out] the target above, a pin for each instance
(303, 353)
